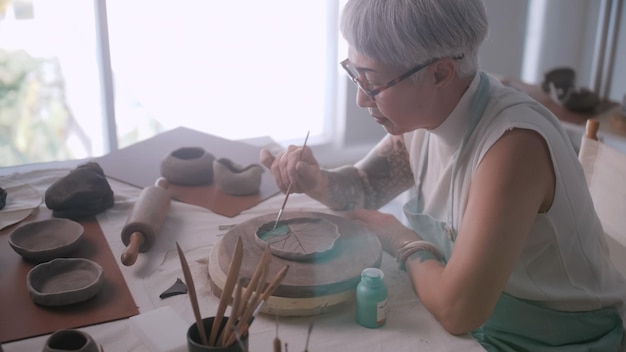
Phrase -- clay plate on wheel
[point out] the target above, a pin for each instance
(64, 281)
(298, 238)
(44, 240)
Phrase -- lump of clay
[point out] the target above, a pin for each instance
(84, 192)
(188, 166)
(3, 198)
(236, 180)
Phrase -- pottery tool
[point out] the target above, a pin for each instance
(277, 343)
(282, 207)
(250, 296)
(247, 318)
(308, 336)
(234, 314)
(231, 279)
(192, 295)
(145, 220)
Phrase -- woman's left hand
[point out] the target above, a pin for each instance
(389, 230)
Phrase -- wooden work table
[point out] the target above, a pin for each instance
(409, 326)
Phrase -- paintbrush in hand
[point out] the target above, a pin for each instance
(282, 208)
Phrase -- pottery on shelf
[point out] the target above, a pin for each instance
(563, 79)
(64, 281)
(40, 241)
(298, 238)
(236, 180)
(188, 166)
(66, 340)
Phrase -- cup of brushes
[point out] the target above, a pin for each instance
(230, 333)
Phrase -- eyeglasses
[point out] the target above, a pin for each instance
(354, 74)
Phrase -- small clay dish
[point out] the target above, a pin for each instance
(236, 180)
(40, 241)
(298, 238)
(64, 281)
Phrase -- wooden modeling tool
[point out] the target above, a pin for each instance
(192, 296)
(227, 292)
(282, 207)
(145, 220)
(277, 342)
(308, 336)
(255, 305)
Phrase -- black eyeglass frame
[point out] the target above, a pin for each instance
(352, 73)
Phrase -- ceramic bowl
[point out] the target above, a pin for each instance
(64, 281)
(44, 240)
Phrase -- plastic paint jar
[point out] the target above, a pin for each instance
(371, 299)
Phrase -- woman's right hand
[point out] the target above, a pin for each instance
(298, 165)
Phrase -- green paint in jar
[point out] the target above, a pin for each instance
(371, 299)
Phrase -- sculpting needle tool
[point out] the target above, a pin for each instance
(282, 208)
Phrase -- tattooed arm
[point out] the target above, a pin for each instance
(372, 182)
(375, 180)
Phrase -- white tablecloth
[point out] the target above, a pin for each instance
(409, 326)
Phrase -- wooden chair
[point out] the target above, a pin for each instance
(605, 172)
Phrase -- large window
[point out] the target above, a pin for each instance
(49, 85)
(236, 69)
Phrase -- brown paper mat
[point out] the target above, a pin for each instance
(140, 165)
(21, 318)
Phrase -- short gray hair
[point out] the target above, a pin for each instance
(403, 33)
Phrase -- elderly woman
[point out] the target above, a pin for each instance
(504, 242)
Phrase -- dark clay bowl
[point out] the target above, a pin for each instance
(64, 281)
(40, 241)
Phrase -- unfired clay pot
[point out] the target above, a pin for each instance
(236, 180)
(188, 166)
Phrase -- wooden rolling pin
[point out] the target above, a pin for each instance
(145, 220)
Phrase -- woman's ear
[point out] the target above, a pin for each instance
(444, 71)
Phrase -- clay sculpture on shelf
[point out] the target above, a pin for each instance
(64, 281)
(188, 166)
(236, 180)
(43, 240)
(560, 82)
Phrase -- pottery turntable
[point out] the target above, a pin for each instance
(325, 253)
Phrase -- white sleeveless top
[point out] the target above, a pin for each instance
(565, 263)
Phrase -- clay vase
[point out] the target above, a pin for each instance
(236, 180)
(70, 340)
(188, 166)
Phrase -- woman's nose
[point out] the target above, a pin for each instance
(363, 100)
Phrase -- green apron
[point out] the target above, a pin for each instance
(515, 324)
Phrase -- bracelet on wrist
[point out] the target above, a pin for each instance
(411, 247)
